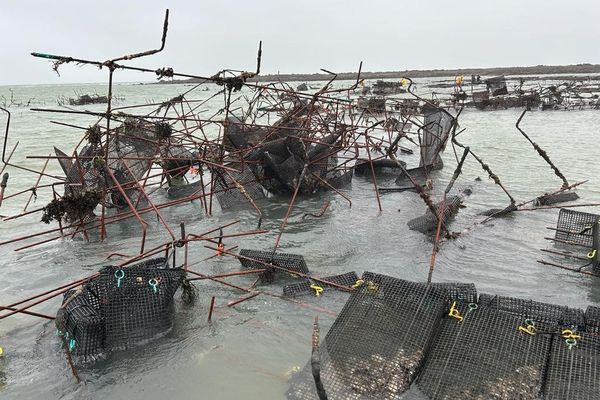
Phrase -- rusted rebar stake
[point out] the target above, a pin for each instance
(238, 301)
(70, 360)
(541, 152)
(315, 361)
(210, 310)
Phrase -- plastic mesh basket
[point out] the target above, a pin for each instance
(463, 292)
(120, 308)
(484, 356)
(539, 312)
(377, 343)
(575, 227)
(229, 195)
(303, 288)
(256, 259)
(573, 369)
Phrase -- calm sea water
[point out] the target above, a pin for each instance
(250, 350)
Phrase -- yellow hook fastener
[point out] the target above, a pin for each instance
(358, 284)
(592, 254)
(318, 289)
(372, 286)
(454, 313)
(569, 334)
(529, 328)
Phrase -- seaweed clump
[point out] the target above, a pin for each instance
(94, 135)
(163, 130)
(71, 207)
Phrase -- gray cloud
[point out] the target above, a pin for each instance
(298, 36)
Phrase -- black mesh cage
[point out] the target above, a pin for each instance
(307, 286)
(377, 343)
(575, 227)
(574, 367)
(120, 308)
(256, 259)
(484, 355)
(536, 311)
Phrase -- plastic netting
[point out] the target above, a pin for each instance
(484, 356)
(536, 311)
(573, 368)
(575, 227)
(256, 259)
(304, 287)
(120, 308)
(592, 319)
(428, 223)
(378, 341)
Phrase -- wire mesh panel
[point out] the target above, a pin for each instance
(484, 355)
(573, 368)
(121, 307)
(592, 319)
(377, 343)
(256, 259)
(539, 312)
(304, 287)
(575, 227)
(428, 223)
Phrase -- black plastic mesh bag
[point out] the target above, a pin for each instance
(377, 343)
(120, 308)
(485, 356)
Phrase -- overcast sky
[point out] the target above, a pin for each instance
(298, 36)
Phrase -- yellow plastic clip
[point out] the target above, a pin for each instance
(358, 284)
(1, 351)
(569, 334)
(454, 313)
(318, 289)
(592, 254)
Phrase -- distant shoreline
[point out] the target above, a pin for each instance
(427, 73)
